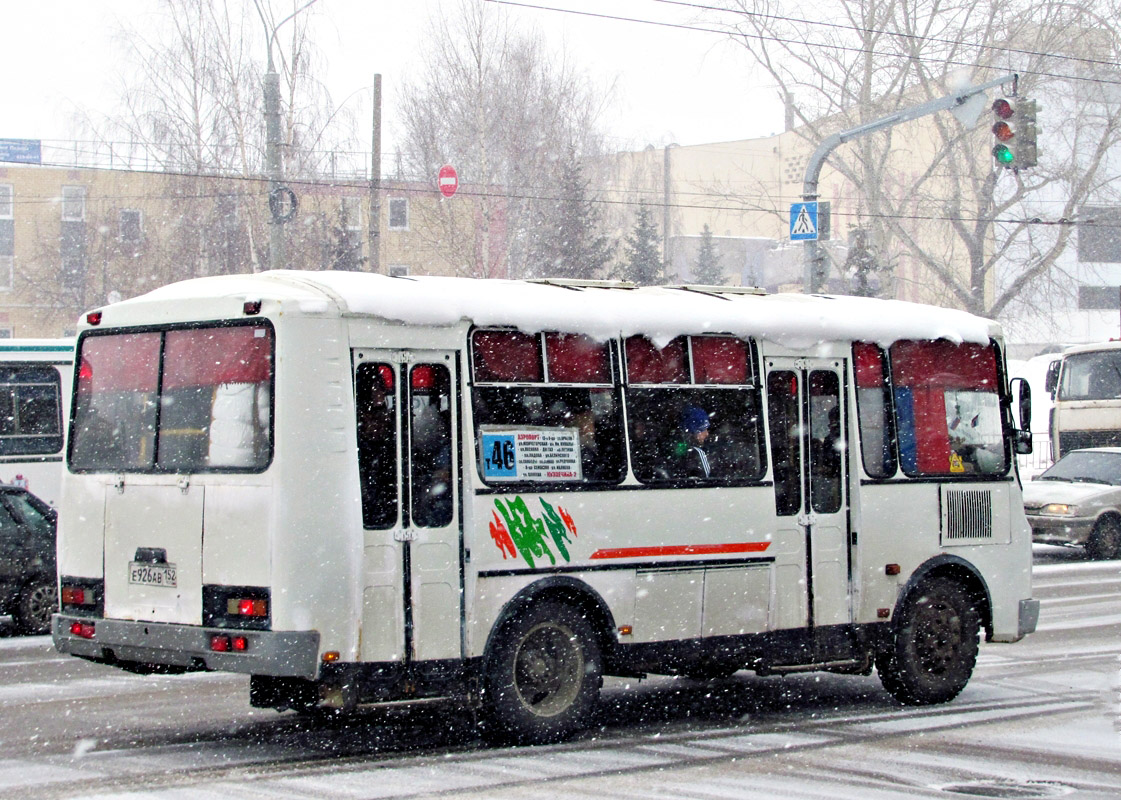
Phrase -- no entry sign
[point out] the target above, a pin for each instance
(448, 180)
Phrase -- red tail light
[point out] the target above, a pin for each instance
(94, 318)
(247, 607)
(220, 643)
(84, 629)
(240, 644)
(73, 596)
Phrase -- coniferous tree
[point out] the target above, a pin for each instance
(643, 262)
(708, 269)
(346, 244)
(568, 242)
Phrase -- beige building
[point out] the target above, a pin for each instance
(743, 191)
(74, 239)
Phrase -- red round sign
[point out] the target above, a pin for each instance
(448, 180)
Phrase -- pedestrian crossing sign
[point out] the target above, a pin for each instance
(803, 221)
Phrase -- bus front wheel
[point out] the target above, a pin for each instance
(933, 649)
(543, 675)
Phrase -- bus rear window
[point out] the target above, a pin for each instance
(209, 409)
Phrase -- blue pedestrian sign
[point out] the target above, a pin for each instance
(803, 222)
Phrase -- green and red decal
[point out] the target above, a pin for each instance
(518, 532)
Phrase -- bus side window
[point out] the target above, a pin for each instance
(693, 410)
(430, 445)
(377, 444)
(873, 408)
(782, 408)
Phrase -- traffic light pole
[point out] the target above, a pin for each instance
(815, 268)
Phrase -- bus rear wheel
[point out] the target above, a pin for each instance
(933, 650)
(543, 676)
(1105, 540)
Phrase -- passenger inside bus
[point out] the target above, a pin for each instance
(693, 460)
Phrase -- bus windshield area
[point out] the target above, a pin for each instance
(1091, 376)
(185, 400)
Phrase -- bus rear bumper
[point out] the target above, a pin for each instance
(188, 647)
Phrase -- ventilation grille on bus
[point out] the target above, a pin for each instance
(1076, 440)
(969, 514)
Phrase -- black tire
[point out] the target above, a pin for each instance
(933, 647)
(543, 676)
(1105, 540)
(37, 601)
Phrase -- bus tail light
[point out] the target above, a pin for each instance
(251, 307)
(224, 643)
(86, 630)
(247, 607)
(93, 318)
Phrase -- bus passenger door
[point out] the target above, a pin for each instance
(806, 411)
(407, 430)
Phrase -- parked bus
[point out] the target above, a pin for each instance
(35, 387)
(1085, 386)
(357, 488)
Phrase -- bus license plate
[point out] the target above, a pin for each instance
(151, 574)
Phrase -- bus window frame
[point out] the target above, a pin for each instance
(614, 387)
(752, 384)
(155, 469)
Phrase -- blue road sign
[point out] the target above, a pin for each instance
(21, 151)
(803, 221)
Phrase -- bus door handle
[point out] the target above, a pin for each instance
(404, 534)
(805, 520)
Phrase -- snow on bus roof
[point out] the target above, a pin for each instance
(660, 313)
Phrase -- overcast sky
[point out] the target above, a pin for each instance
(672, 85)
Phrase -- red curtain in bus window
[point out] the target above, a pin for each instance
(649, 364)
(575, 358)
(719, 359)
(214, 356)
(506, 357)
(119, 363)
(869, 361)
(944, 364)
(926, 370)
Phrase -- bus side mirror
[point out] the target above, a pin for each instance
(1052, 377)
(1022, 389)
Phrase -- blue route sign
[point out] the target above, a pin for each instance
(803, 221)
(21, 151)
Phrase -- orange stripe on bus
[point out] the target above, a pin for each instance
(682, 550)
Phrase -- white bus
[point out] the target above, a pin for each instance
(1085, 387)
(357, 488)
(35, 386)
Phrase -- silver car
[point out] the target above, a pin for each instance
(1078, 501)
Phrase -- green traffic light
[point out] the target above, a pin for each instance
(1003, 155)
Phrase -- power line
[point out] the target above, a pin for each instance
(784, 40)
(885, 32)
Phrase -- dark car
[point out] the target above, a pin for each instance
(1078, 501)
(28, 589)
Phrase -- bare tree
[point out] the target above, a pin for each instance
(493, 102)
(928, 195)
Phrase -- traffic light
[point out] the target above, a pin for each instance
(1015, 133)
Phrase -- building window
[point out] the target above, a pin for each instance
(398, 271)
(1099, 234)
(398, 213)
(1094, 298)
(5, 201)
(7, 268)
(130, 225)
(73, 203)
(6, 333)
